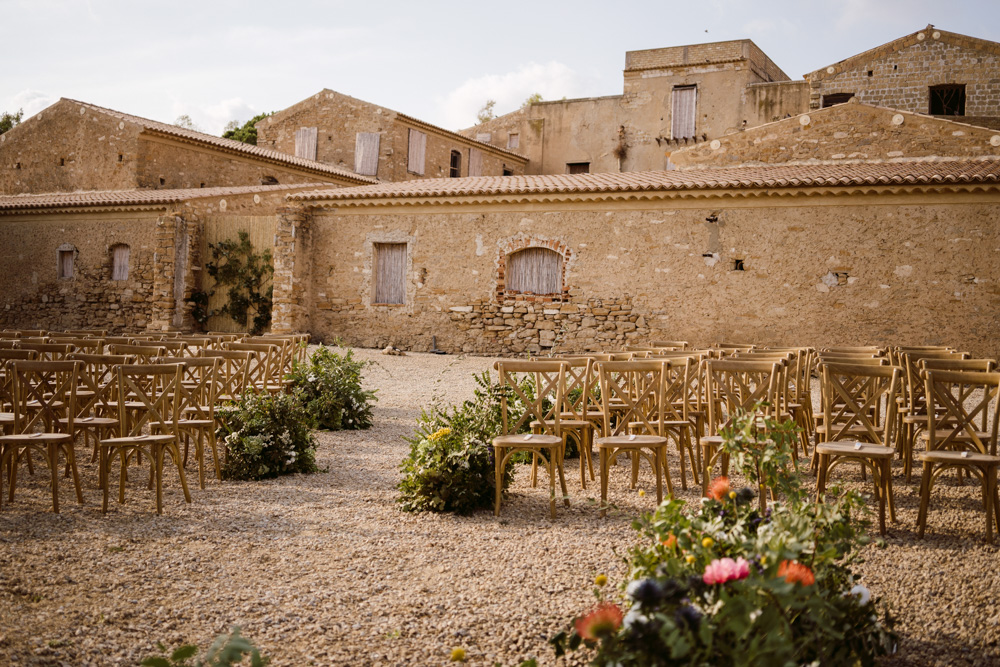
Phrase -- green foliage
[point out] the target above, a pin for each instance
(246, 276)
(185, 122)
(265, 436)
(9, 120)
(761, 447)
(329, 387)
(794, 602)
(486, 113)
(534, 98)
(450, 467)
(247, 133)
(225, 651)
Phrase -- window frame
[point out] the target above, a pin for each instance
(62, 253)
(377, 271)
(570, 166)
(960, 88)
(518, 284)
(455, 165)
(116, 274)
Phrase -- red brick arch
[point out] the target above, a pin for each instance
(512, 246)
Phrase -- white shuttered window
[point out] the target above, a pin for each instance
(682, 113)
(390, 273)
(119, 262)
(305, 143)
(535, 270)
(417, 151)
(475, 162)
(366, 153)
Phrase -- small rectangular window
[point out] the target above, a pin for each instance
(455, 170)
(507, 171)
(66, 263)
(947, 100)
(513, 140)
(836, 98)
(683, 110)
(417, 152)
(475, 162)
(119, 262)
(366, 153)
(577, 167)
(305, 143)
(390, 273)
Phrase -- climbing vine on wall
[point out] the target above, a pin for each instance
(245, 275)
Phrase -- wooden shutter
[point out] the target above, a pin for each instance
(513, 140)
(366, 153)
(475, 162)
(682, 114)
(535, 270)
(390, 273)
(417, 151)
(119, 262)
(65, 263)
(305, 143)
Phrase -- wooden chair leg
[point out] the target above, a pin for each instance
(888, 490)
(534, 470)
(878, 477)
(157, 455)
(176, 454)
(53, 461)
(680, 452)
(989, 482)
(604, 466)
(925, 494)
(552, 483)
(71, 463)
(589, 447)
(659, 461)
(822, 464)
(562, 475)
(497, 478)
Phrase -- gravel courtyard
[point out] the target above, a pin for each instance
(323, 569)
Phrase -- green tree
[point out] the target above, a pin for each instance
(247, 133)
(9, 120)
(534, 98)
(246, 276)
(486, 113)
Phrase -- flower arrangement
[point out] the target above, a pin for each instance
(730, 583)
(329, 387)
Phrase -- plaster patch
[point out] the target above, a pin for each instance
(904, 271)
(480, 248)
(822, 288)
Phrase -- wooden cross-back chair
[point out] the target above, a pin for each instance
(149, 430)
(97, 398)
(173, 348)
(48, 351)
(733, 386)
(9, 344)
(859, 405)
(519, 409)
(6, 382)
(97, 333)
(676, 344)
(233, 373)
(199, 385)
(144, 354)
(265, 366)
(84, 345)
(576, 415)
(25, 333)
(961, 433)
(119, 340)
(855, 349)
(44, 391)
(638, 425)
(195, 344)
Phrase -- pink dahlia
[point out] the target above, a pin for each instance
(721, 570)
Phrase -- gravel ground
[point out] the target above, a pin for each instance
(323, 569)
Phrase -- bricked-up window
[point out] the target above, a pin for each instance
(305, 143)
(683, 108)
(475, 162)
(513, 140)
(947, 100)
(66, 258)
(366, 153)
(119, 262)
(455, 169)
(836, 98)
(577, 167)
(534, 270)
(417, 152)
(390, 273)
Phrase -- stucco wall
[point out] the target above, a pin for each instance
(885, 269)
(770, 102)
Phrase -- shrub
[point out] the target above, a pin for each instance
(265, 436)
(450, 467)
(225, 651)
(329, 387)
(732, 584)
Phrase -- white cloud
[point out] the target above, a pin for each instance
(32, 101)
(212, 118)
(553, 80)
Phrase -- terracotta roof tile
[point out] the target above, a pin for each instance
(134, 197)
(228, 144)
(777, 176)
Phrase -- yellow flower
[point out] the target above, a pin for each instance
(690, 559)
(641, 493)
(600, 580)
(707, 542)
(763, 560)
(458, 655)
(732, 494)
(440, 433)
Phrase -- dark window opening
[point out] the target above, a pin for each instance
(163, 181)
(836, 98)
(456, 164)
(268, 180)
(62, 162)
(202, 185)
(121, 157)
(578, 167)
(947, 100)
(738, 265)
(871, 72)
(894, 68)
(17, 165)
(507, 171)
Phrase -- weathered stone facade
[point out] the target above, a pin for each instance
(337, 120)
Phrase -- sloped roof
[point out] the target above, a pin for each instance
(106, 198)
(925, 34)
(985, 171)
(229, 145)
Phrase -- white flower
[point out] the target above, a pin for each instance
(755, 614)
(634, 618)
(862, 593)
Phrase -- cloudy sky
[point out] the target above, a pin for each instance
(222, 60)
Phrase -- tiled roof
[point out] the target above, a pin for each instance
(228, 144)
(104, 198)
(778, 176)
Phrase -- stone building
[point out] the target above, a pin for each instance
(374, 141)
(679, 96)
(75, 146)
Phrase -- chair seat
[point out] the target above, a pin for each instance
(858, 429)
(565, 423)
(668, 422)
(196, 422)
(849, 448)
(710, 440)
(951, 456)
(28, 438)
(527, 440)
(83, 422)
(636, 442)
(141, 439)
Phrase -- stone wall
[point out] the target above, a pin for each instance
(898, 74)
(814, 270)
(67, 147)
(846, 132)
